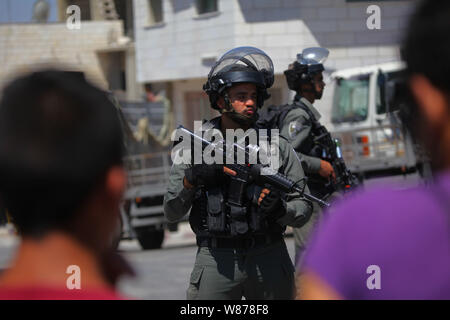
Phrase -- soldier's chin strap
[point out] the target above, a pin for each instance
(239, 118)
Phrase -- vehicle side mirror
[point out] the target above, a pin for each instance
(389, 91)
(381, 84)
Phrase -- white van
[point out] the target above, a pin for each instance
(365, 121)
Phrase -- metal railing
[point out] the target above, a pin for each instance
(148, 170)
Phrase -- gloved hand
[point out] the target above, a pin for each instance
(271, 203)
(204, 174)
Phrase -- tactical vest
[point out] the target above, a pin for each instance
(273, 118)
(309, 146)
(318, 185)
(212, 216)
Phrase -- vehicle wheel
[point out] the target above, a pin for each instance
(150, 238)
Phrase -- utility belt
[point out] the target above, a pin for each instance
(251, 241)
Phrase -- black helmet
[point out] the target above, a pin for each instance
(308, 63)
(240, 65)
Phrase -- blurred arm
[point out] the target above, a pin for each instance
(311, 287)
(298, 210)
(179, 196)
(297, 139)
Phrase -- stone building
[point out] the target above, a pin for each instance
(103, 46)
(178, 40)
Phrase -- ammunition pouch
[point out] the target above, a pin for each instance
(238, 223)
(216, 217)
(257, 220)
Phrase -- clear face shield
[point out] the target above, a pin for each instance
(313, 56)
(250, 57)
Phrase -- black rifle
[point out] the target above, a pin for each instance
(345, 180)
(251, 172)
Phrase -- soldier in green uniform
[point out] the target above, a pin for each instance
(300, 124)
(241, 249)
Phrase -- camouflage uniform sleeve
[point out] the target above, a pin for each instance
(178, 199)
(296, 128)
(298, 210)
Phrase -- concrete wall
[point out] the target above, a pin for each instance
(283, 28)
(174, 49)
(24, 47)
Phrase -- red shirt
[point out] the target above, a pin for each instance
(42, 293)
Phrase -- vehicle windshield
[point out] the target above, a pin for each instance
(351, 99)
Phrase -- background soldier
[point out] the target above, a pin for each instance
(300, 125)
(241, 249)
(391, 243)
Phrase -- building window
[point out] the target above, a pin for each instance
(206, 6)
(85, 8)
(155, 11)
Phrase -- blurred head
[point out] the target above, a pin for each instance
(304, 76)
(304, 82)
(149, 93)
(148, 87)
(426, 51)
(60, 157)
(315, 86)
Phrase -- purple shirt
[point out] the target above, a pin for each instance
(404, 233)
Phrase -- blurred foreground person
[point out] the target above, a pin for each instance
(61, 179)
(395, 244)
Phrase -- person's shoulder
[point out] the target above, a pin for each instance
(367, 220)
(283, 143)
(402, 232)
(296, 114)
(387, 206)
(373, 199)
(296, 110)
(213, 123)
